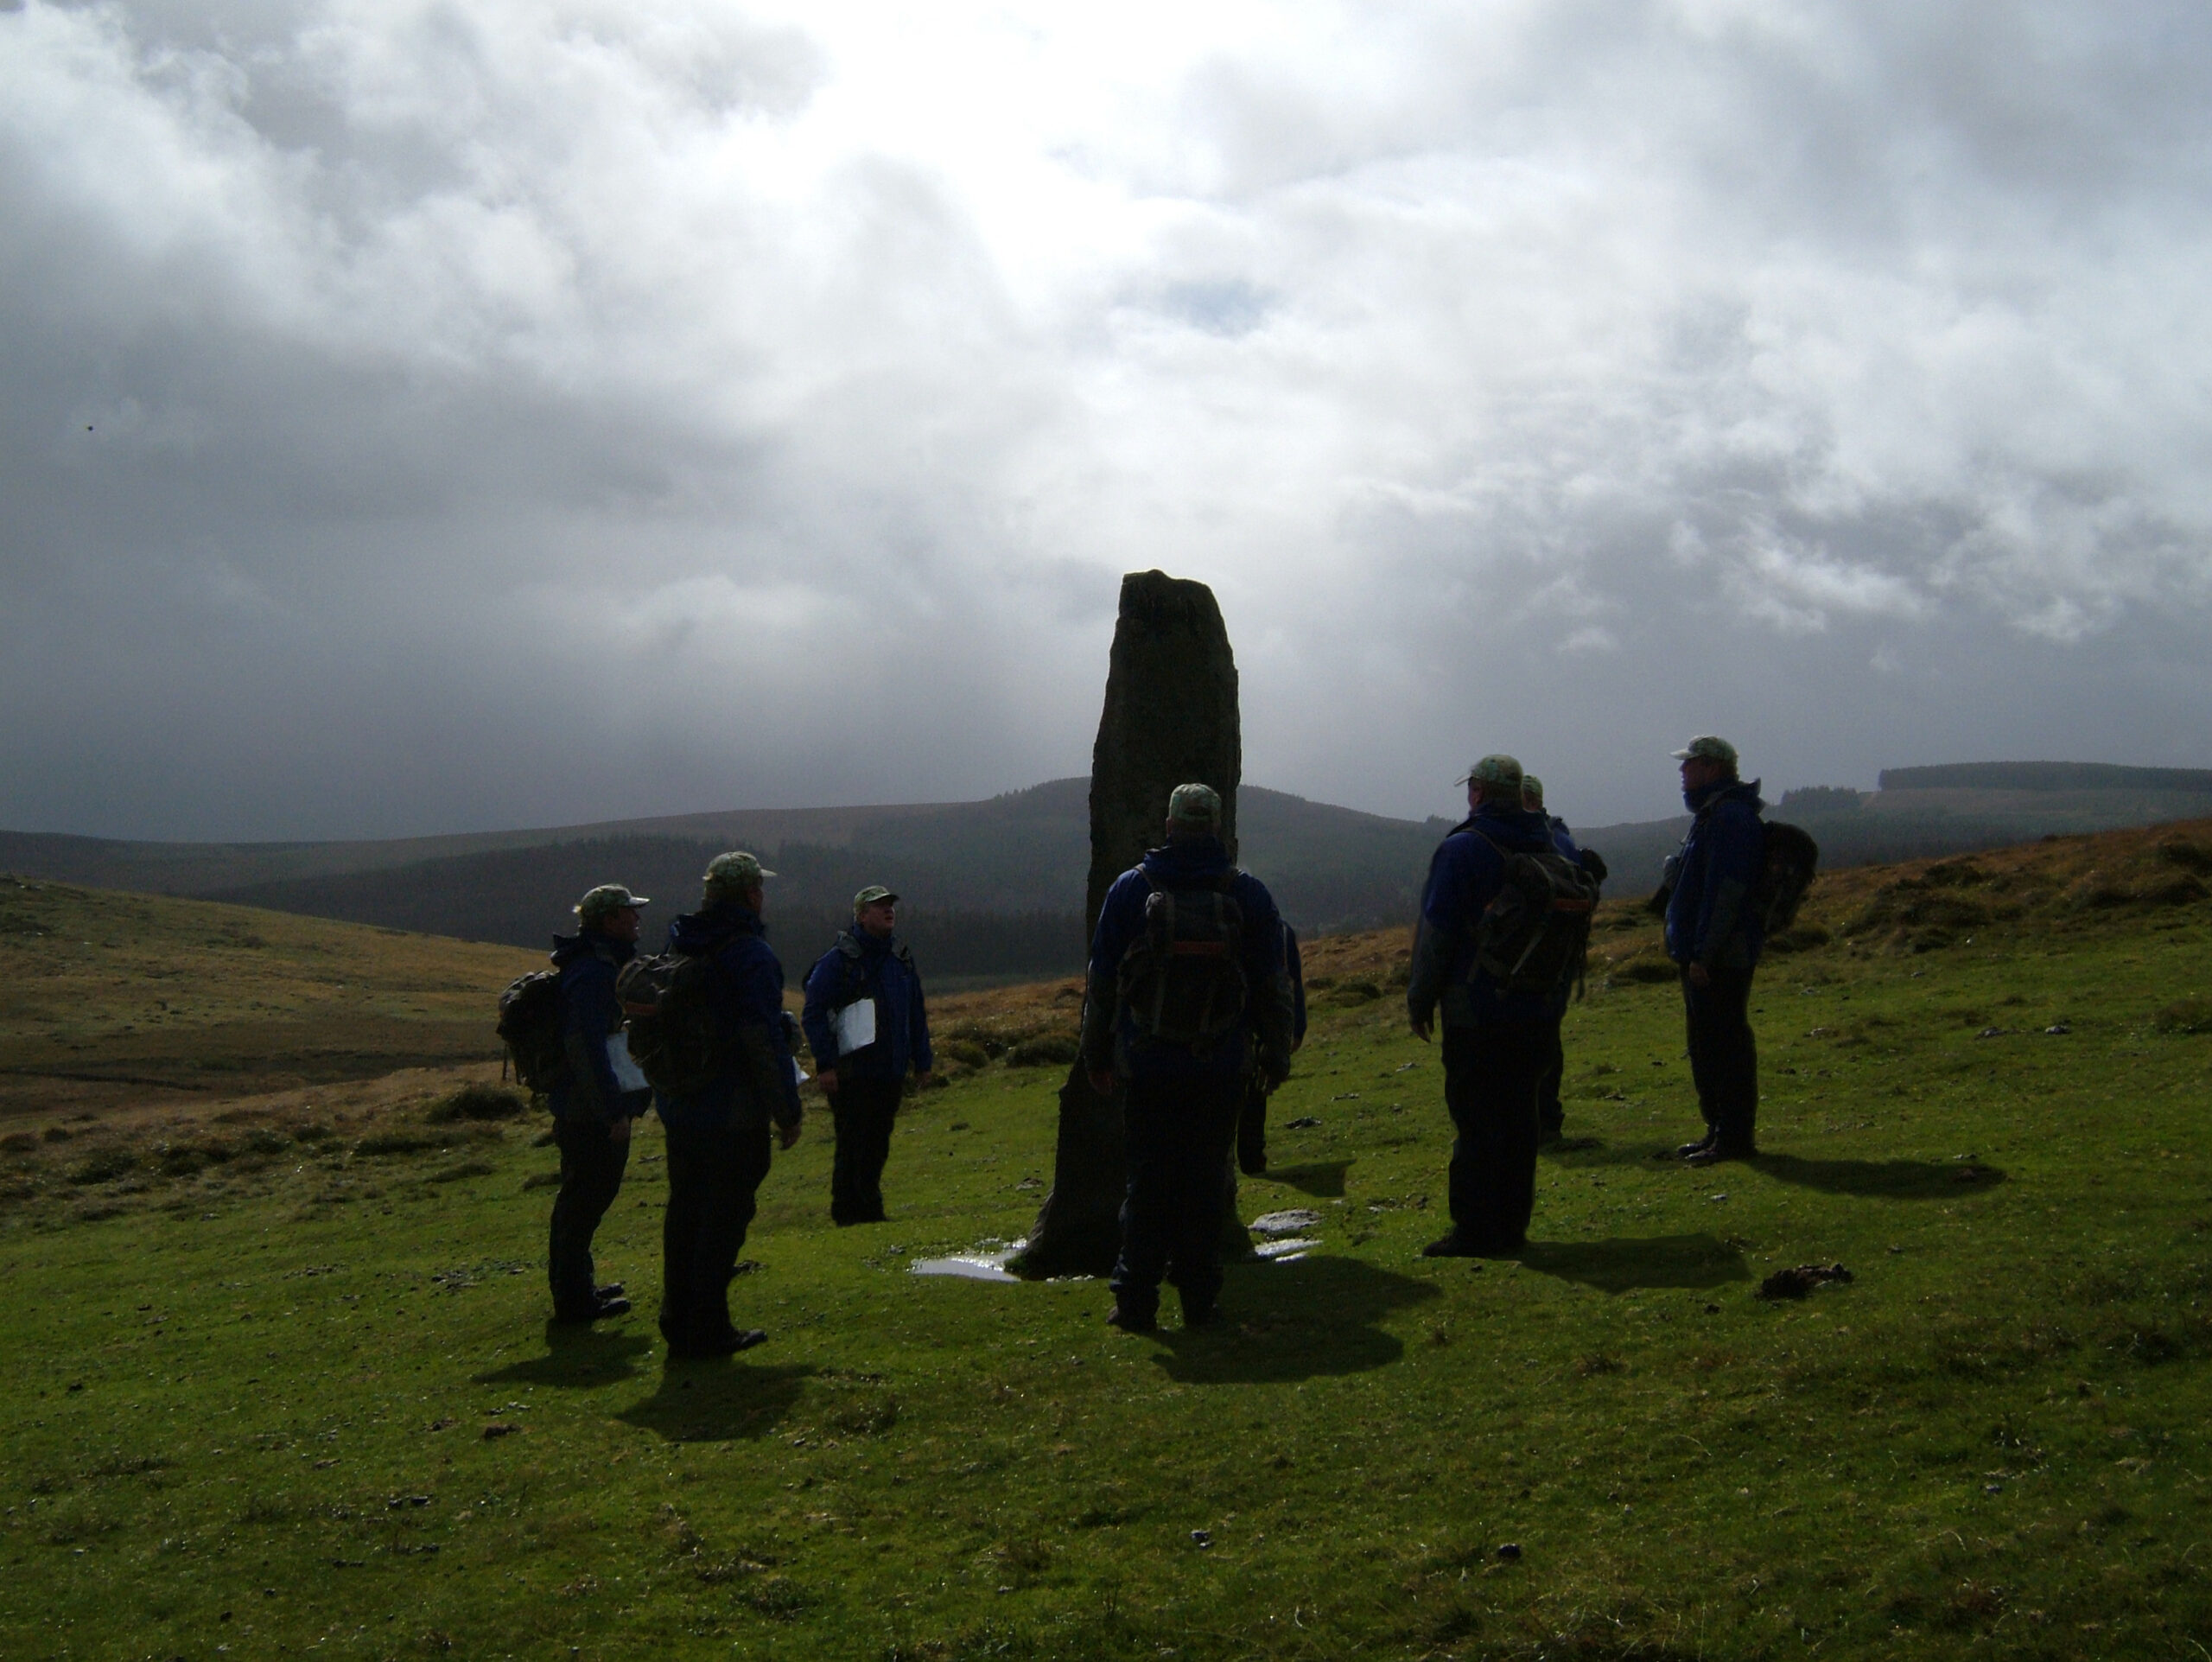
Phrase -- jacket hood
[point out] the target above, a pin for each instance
(1743, 790)
(568, 948)
(1516, 828)
(1182, 862)
(696, 933)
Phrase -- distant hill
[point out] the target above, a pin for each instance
(994, 888)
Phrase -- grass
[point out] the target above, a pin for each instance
(312, 1404)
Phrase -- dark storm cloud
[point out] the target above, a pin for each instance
(425, 417)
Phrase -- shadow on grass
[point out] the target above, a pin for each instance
(1299, 1320)
(576, 1357)
(1627, 1266)
(721, 1401)
(1323, 1178)
(1893, 1180)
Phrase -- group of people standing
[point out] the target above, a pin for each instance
(719, 1133)
(1194, 1005)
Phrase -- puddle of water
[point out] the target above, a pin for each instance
(969, 1266)
(1288, 1251)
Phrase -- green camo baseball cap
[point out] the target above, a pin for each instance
(606, 899)
(1532, 790)
(1494, 770)
(872, 894)
(1194, 805)
(732, 874)
(1707, 748)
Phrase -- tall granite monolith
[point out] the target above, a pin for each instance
(1170, 718)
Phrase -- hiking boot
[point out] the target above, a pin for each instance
(1453, 1246)
(613, 1290)
(1130, 1320)
(577, 1315)
(1252, 1164)
(1698, 1147)
(1717, 1152)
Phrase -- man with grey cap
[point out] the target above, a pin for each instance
(718, 1134)
(1187, 995)
(1494, 1038)
(865, 1076)
(592, 1109)
(1714, 932)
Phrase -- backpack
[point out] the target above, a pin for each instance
(1534, 935)
(1182, 979)
(1785, 873)
(673, 1036)
(530, 1027)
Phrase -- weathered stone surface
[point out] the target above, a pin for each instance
(1170, 718)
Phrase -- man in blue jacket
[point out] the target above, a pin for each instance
(1551, 1113)
(718, 1135)
(864, 1084)
(1494, 1042)
(1187, 995)
(1713, 933)
(592, 1110)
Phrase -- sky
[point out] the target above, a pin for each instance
(428, 416)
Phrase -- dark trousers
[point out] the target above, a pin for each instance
(1551, 1113)
(1723, 1056)
(711, 1178)
(1252, 1129)
(1490, 1084)
(864, 1110)
(592, 1163)
(1178, 1134)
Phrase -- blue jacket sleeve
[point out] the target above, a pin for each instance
(1118, 917)
(589, 1015)
(824, 983)
(756, 983)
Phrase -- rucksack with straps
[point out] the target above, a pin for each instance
(1786, 870)
(1534, 935)
(1182, 979)
(673, 1036)
(856, 969)
(530, 1027)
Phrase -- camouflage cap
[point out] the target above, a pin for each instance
(1532, 790)
(733, 875)
(871, 895)
(606, 899)
(1707, 748)
(1503, 771)
(1194, 805)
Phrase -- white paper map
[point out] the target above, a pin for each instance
(855, 1025)
(627, 1073)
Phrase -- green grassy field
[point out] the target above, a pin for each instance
(300, 1398)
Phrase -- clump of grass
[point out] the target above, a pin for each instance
(477, 1101)
(1046, 1050)
(1641, 972)
(105, 1166)
(2190, 1015)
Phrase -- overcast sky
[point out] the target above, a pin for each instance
(435, 416)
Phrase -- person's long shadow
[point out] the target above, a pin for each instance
(576, 1357)
(724, 1401)
(1626, 1266)
(1322, 1178)
(1891, 1180)
(1297, 1321)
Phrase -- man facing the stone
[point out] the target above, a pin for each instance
(718, 1134)
(1713, 931)
(591, 1108)
(865, 1078)
(1494, 1041)
(1187, 995)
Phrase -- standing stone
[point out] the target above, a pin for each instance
(1170, 718)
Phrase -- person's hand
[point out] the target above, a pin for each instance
(1420, 1028)
(787, 1136)
(619, 1130)
(1700, 977)
(827, 1079)
(1102, 1081)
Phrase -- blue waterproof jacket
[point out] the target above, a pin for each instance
(590, 1014)
(746, 997)
(1110, 1035)
(860, 966)
(1464, 878)
(1710, 920)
